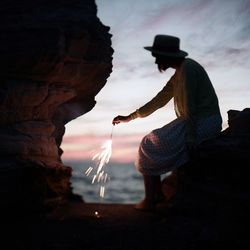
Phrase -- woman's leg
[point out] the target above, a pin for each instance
(159, 196)
(153, 192)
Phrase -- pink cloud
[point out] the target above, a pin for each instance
(166, 13)
(124, 148)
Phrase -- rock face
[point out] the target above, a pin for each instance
(215, 185)
(55, 57)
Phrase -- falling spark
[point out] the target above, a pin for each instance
(100, 177)
(102, 190)
(105, 178)
(88, 171)
(93, 180)
(101, 159)
(103, 156)
(97, 214)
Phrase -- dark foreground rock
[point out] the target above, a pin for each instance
(215, 185)
(207, 207)
(76, 226)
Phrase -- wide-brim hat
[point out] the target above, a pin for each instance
(168, 46)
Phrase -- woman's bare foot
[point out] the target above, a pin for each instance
(145, 205)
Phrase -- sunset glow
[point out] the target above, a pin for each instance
(221, 44)
(83, 147)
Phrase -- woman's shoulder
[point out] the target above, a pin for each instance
(189, 62)
(191, 65)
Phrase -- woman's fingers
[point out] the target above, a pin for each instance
(116, 120)
(120, 118)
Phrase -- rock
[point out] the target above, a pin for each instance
(215, 186)
(55, 57)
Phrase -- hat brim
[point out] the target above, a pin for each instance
(180, 53)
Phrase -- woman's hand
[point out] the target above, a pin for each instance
(120, 118)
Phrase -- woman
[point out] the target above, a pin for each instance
(198, 117)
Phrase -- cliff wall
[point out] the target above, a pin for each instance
(55, 57)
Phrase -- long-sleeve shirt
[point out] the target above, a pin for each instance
(201, 99)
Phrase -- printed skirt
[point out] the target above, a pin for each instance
(164, 149)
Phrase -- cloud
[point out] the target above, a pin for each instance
(226, 31)
(216, 33)
(202, 36)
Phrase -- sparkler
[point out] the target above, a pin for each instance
(101, 159)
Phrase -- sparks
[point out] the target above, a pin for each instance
(101, 159)
(103, 156)
(88, 171)
(102, 190)
(97, 214)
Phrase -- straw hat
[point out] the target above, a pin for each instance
(168, 46)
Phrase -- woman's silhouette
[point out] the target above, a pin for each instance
(198, 117)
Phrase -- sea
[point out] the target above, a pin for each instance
(124, 186)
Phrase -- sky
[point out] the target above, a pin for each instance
(216, 33)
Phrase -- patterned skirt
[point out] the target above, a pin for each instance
(164, 149)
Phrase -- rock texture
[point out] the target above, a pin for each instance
(214, 186)
(55, 57)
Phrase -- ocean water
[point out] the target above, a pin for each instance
(124, 187)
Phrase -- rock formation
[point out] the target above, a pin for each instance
(215, 185)
(55, 57)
